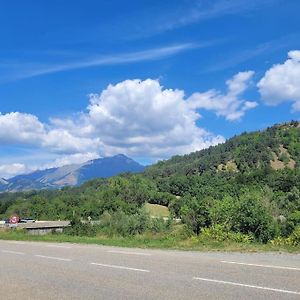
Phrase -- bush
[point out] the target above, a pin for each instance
(253, 217)
(120, 223)
(181, 231)
(295, 237)
(80, 229)
(223, 211)
(247, 215)
(222, 233)
(195, 212)
(158, 225)
(292, 221)
(292, 240)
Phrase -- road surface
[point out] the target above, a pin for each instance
(33, 270)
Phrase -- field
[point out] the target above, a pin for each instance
(156, 210)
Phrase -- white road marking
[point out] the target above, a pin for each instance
(248, 286)
(129, 253)
(54, 257)
(12, 252)
(261, 266)
(120, 267)
(58, 246)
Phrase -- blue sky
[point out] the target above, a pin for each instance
(86, 79)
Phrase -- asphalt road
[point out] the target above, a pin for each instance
(32, 270)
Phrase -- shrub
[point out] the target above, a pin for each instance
(195, 212)
(292, 221)
(253, 217)
(295, 236)
(223, 211)
(222, 233)
(292, 240)
(181, 231)
(120, 223)
(160, 225)
(247, 215)
(80, 229)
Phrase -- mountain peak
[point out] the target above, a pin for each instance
(120, 155)
(71, 175)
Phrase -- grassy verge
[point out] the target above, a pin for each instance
(158, 241)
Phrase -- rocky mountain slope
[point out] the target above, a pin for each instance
(71, 175)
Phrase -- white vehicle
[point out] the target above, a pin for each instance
(27, 220)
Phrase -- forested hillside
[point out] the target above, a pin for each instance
(275, 147)
(247, 188)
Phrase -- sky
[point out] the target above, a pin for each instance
(150, 79)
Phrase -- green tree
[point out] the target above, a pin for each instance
(195, 212)
(251, 216)
(292, 221)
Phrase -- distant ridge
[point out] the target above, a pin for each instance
(71, 175)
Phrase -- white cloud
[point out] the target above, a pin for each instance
(23, 128)
(281, 83)
(34, 70)
(142, 118)
(228, 105)
(205, 10)
(10, 170)
(60, 140)
(139, 118)
(26, 129)
(77, 158)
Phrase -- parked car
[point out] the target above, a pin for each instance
(27, 220)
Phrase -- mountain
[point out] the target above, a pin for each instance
(277, 147)
(3, 182)
(71, 175)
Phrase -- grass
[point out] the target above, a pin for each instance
(150, 240)
(157, 210)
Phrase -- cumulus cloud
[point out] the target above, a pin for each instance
(281, 83)
(142, 118)
(26, 129)
(62, 141)
(139, 118)
(10, 170)
(229, 105)
(22, 128)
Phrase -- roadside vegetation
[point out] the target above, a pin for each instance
(177, 239)
(241, 195)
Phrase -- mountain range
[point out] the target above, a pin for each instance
(71, 175)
